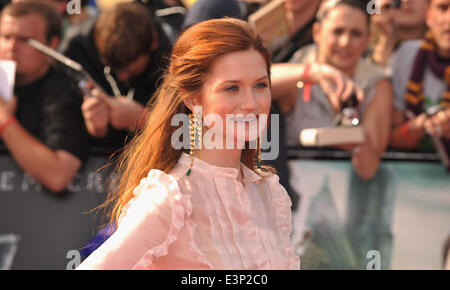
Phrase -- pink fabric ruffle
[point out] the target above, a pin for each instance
(159, 229)
(181, 211)
(283, 204)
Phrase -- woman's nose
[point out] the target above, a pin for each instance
(249, 101)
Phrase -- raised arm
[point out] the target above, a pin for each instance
(52, 168)
(377, 124)
(286, 77)
(53, 157)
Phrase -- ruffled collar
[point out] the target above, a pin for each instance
(208, 169)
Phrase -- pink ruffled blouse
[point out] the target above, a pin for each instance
(208, 220)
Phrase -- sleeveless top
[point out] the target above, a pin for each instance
(318, 111)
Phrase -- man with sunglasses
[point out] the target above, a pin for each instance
(397, 21)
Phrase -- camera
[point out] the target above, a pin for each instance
(349, 116)
(394, 4)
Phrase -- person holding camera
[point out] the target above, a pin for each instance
(125, 53)
(331, 71)
(398, 21)
(421, 81)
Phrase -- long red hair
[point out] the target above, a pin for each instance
(191, 60)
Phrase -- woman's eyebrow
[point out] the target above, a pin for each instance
(238, 81)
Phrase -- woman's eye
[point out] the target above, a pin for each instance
(338, 31)
(357, 34)
(232, 88)
(261, 85)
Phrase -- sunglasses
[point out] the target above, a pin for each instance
(395, 4)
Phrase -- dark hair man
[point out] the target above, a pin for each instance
(42, 127)
(124, 53)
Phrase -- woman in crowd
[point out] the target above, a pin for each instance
(330, 71)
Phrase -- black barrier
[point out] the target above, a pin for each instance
(52, 228)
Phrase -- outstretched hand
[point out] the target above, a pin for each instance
(439, 124)
(335, 84)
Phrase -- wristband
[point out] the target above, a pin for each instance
(307, 83)
(404, 131)
(8, 122)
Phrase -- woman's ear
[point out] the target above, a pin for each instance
(190, 103)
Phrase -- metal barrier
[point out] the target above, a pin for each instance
(400, 219)
(50, 227)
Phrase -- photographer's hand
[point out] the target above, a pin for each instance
(438, 125)
(96, 113)
(335, 84)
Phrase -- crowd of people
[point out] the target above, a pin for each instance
(397, 63)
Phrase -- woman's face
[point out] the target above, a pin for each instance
(342, 37)
(239, 85)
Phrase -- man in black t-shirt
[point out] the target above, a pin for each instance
(42, 127)
(125, 54)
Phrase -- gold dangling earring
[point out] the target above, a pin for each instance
(191, 146)
(195, 130)
(258, 162)
(198, 119)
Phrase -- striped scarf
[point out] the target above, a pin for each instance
(440, 67)
(427, 55)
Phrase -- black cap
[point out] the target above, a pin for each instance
(204, 10)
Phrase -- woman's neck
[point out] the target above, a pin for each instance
(222, 157)
(230, 158)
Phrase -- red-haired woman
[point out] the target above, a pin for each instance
(207, 208)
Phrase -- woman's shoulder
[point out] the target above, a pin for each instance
(369, 73)
(149, 223)
(157, 194)
(305, 54)
(157, 179)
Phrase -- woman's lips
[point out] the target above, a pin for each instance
(343, 55)
(247, 119)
